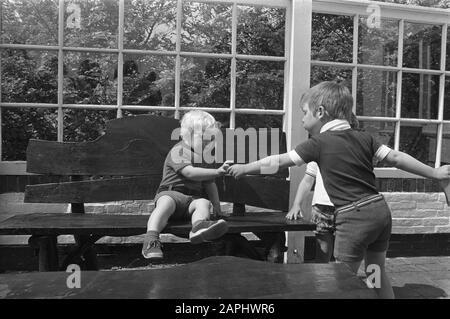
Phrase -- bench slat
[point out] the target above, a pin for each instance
(128, 225)
(264, 192)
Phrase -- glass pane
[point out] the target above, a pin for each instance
(420, 96)
(259, 84)
(29, 76)
(447, 98)
(422, 46)
(150, 25)
(29, 22)
(148, 80)
(259, 120)
(205, 82)
(447, 59)
(332, 38)
(21, 124)
(419, 141)
(261, 31)
(330, 73)
(376, 93)
(90, 78)
(445, 154)
(82, 125)
(383, 132)
(378, 44)
(206, 27)
(92, 23)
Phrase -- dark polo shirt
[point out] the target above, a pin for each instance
(345, 161)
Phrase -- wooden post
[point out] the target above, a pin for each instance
(48, 252)
(89, 256)
(238, 209)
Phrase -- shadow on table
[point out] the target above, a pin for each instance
(418, 291)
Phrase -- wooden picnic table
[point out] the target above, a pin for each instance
(214, 277)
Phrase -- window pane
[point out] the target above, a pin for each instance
(258, 121)
(150, 25)
(21, 124)
(447, 98)
(29, 76)
(422, 46)
(82, 125)
(420, 96)
(378, 45)
(90, 78)
(261, 31)
(205, 82)
(376, 93)
(445, 154)
(206, 27)
(92, 23)
(383, 132)
(148, 80)
(260, 85)
(332, 38)
(330, 73)
(419, 141)
(29, 22)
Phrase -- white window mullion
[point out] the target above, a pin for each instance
(440, 130)
(234, 19)
(178, 59)
(120, 60)
(398, 104)
(287, 46)
(60, 71)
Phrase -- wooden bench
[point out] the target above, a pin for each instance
(126, 164)
(221, 277)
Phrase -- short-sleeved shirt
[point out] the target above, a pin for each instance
(345, 161)
(180, 156)
(320, 195)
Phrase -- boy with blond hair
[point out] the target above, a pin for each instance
(179, 196)
(362, 218)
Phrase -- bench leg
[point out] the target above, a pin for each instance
(296, 247)
(86, 251)
(275, 246)
(48, 252)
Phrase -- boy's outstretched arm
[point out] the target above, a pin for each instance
(204, 174)
(408, 163)
(302, 191)
(267, 165)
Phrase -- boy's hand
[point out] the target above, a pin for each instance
(222, 170)
(237, 170)
(294, 214)
(442, 172)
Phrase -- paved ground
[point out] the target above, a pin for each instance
(420, 277)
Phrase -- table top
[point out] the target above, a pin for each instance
(214, 277)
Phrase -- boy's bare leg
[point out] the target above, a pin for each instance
(199, 208)
(158, 219)
(165, 207)
(378, 258)
(324, 247)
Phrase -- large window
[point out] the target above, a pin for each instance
(68, 66)
(396, 62)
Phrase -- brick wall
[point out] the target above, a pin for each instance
(413, 213)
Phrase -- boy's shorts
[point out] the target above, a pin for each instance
(361, 226)
(182, 203)
(324, 218)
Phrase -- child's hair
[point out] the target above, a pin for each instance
(196, 121)
(354, 123)
(334, 97)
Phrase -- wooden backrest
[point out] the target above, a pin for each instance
(126, 164)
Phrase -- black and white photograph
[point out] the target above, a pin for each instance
(225, 158)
